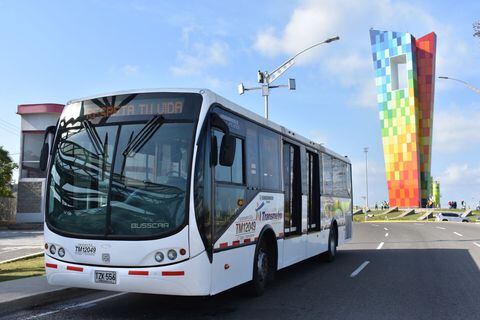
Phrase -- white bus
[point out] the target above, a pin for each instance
(182, 192)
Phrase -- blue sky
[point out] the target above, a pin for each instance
(54, 51)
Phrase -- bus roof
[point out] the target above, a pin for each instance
(231, 106)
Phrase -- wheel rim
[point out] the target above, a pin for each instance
(262, 265)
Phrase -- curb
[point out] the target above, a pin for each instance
(33, 255)
(40, 299)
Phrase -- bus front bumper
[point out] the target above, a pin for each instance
(187, 278)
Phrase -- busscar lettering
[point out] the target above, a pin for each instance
(245, 227)
(150, 225)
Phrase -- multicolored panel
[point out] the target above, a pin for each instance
(398, 114)
(426, 49)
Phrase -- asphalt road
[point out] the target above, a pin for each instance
(18, 243)
(414, 271)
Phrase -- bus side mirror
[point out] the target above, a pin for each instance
(44, 156)
(45, 152)
(227, 150)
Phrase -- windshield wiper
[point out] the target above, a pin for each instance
(93, 136)
(134, 145)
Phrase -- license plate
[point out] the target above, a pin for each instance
(105, 277)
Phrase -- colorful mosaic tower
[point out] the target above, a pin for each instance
(405, 78)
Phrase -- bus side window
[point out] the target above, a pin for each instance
(270, 169)
(327, 174)
(252, 168)
(230, 190)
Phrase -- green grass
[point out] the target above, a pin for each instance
(389, 217)
(29, 267)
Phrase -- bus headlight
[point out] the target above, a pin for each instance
(61, 252)
(159, 256)
(172, 254)
(53, 249)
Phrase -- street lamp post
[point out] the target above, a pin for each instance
(266, 78)
(366, 179)
(466, 84)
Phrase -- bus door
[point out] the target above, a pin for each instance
(313, 203)
(294, 244)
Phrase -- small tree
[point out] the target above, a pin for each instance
(476, 29)
(6, 172)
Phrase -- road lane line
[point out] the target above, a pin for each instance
(380, 245)
(83, 304)
(442, 228)
(386, 229)
(386, 234)
(359, 269)
(375, 225)
(477, 244)
(458, 234)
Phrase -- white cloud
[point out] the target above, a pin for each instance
(318, 136)
(200, 57)
(461, 174)
(460, 182)
(349, 60)
(129, 70)
(456, 131)
(377, 183)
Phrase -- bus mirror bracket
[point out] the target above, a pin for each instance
(45, 152)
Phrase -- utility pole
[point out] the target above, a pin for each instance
(266, 78)
(366, 178)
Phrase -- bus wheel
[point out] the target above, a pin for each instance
(332, 246)
(261, 269)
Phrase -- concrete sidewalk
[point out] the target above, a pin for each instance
(30, 292)
(19, 243)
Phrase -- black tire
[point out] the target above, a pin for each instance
(262, 269)
(465, 221)
(332, 245)
(444, 220)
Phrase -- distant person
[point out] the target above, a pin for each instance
(376, 206)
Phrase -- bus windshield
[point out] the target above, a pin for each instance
(111, 177)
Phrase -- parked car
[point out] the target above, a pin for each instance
(450, 216)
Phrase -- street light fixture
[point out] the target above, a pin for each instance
(266, 78)
(466, 84)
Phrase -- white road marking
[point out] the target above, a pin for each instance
(386, 234)
(380, 245)
(386, 229)
(359, 269)
(458, 234)
(83, 304)
(477, 244)
(375, 225)
(418, 224)
(442, 228)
